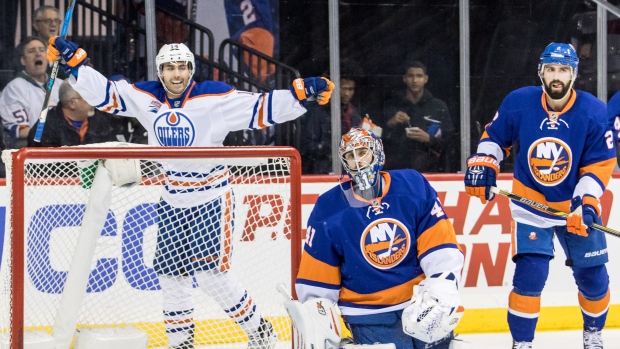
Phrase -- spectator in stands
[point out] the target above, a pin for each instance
(418, 125)
(46, 22)
(316, 130)
(22, 98)
(72, 122)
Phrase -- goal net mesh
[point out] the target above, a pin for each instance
(243, 222)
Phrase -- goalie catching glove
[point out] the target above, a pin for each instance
(434, 310)
(72, 54)
(312, 89)
(584, 213)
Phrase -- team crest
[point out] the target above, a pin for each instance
(174, 128)
(533, 236)
(549, 161)
(385, 243)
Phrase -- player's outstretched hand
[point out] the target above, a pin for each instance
(72, 54)
(317, 89)
(481, 175)
(584, 213)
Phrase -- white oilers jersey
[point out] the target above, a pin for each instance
(202, 116)
(21, 103)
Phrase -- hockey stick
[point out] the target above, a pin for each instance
(547, 209)
(50, 83)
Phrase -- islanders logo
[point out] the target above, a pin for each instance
(173, 128)
(549, 161)
(385, 243)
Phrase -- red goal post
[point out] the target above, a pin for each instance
(47, 215)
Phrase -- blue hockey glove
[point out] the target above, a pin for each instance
(481, 175)
(584, 213)
(312, 89)
(72, 55)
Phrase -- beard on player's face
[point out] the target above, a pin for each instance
(557, 89)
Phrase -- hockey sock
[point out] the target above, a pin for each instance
(593, 284)
(178, 308)
(524, 301)
(231, 297)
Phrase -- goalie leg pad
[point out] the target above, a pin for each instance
(316, 323)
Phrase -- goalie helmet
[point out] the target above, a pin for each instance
(362, 170)
(173, 53)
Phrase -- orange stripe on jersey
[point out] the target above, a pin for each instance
(178, 321)
(114, 105)
(391, 296)
(189, 90)
(261, 112)
(602, 170)
(226, 248)
(439, 234)
(595, 308)
(485, 135)
(521, 190)
(316, 270)
(524, 304)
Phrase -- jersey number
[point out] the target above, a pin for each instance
(310, 235)
(20, 116)
(248, 12)
(437, 211)
(609, 139)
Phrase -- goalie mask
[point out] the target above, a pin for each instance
(563, 54)
(175, 53)
(362, 156)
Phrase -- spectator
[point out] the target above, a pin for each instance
(418, 125)
(72, 122)
(316, 136)
(46, 22)
(22, 98)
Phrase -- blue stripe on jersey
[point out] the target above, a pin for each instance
(196, 189)
(596, 179)
(317, 284)
(122, 103)
(107, 96)
(254, 114)
(438, 247)
(270, 110)
(195, 174)
(239, 303)
(178, 312)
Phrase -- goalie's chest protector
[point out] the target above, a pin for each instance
(375, 244)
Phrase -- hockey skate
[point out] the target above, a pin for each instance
(521, 345)
(264, 338)
(592, 340)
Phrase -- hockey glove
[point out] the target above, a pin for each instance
(52, 53)
(584, 213)
(481, 175)
(312, 89)
(72, 55)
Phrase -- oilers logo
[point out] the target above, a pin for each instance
(549, 161)
(173, 128)
(385, 243)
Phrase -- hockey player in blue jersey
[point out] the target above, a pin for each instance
(381, 246)
(613, 116)
(194, 226)
(564, 160)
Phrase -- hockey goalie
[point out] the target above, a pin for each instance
(380, 250)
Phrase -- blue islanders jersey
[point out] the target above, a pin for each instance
(368, 255)
(202, 116)
(561, 154)
(613, 115)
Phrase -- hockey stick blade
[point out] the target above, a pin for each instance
(547, 209)
(52, 79)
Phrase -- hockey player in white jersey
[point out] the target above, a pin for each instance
(194, 211)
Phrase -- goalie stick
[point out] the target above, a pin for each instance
(52, 79)
(547, 209)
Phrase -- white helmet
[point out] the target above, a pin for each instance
(175, 53)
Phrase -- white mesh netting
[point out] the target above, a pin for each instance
(226, 217)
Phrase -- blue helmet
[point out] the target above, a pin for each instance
(558, 53)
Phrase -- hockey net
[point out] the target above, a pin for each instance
(54, 204)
